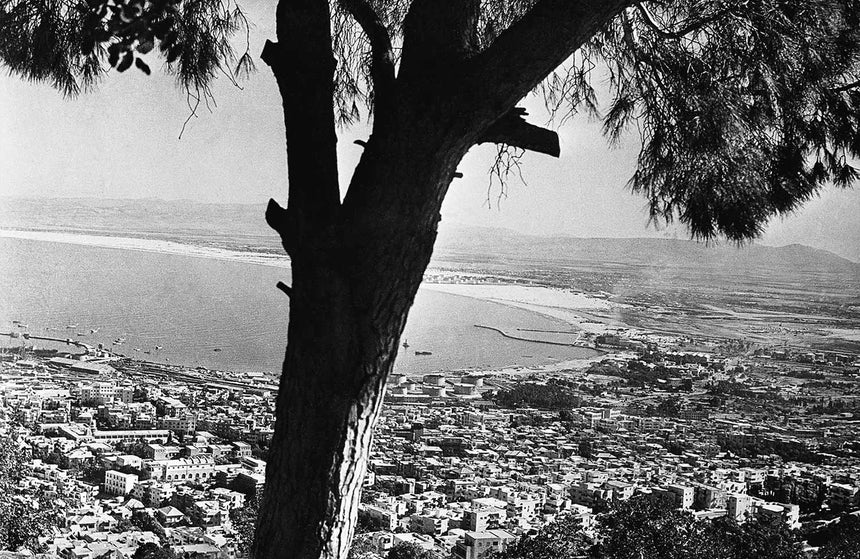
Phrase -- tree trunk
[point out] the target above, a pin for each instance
(349, 305)
(357, 264)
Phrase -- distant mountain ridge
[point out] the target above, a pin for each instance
(469, 241)
(243, 225)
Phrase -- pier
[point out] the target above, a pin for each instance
(68, 341)
(575, 343)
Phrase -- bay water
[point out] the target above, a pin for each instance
(228, 315)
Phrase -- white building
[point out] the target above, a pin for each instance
(196, 469)
(118, 483)
(738, 504)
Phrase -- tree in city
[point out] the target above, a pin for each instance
(641, 528)
(363, 548)
(744, 109)
(152, 551)
(25, 515)
(838, 540)
(409, 550)
(561, 539)
(669, 407)
(244, 522)
(585, 448)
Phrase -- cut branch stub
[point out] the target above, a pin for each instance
(513, 130)
(279, 219)
(285, 288)
(271, 51)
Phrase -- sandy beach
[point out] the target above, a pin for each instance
(149, 245)
(575, 308)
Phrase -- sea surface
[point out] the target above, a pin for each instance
(192, 306)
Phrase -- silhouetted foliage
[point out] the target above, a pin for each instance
(533, 395)
(669, 407)
(153, 551)
(839, 540)
(639, 528)
(408, 550)
(244, 524)
(25, 513)
(362, 548)
(560, 539)
(585, 448)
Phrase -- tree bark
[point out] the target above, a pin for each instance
(357, 264)
(349, 304)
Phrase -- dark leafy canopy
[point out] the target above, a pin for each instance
(408, 550)
(529, 394)
(841, 540)
(745, 107)
(560, 539)
(70, 43)
(25, 515)
(152, 551)
(638, 528)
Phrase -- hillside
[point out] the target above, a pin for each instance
(497, 245)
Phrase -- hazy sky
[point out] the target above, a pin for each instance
(121, 142)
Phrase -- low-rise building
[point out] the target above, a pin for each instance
(118, 483)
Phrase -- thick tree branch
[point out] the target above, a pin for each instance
(513, 130)
(532, 48)
(303, 55)
(438, 34)
(381, 54)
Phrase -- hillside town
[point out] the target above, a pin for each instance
(133, 453)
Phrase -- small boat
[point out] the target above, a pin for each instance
(136, 348)
(72, 325)
(159, 347)
(423, 353)
(81, 333)
(23, 325)
(93, 330)
(217, 349)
